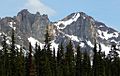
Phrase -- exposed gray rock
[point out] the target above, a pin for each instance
(80, 28)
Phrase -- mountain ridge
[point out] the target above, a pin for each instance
(78, 27)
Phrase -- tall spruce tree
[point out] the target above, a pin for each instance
(21, 63)
(114, 60)
(54, 64)
(1, 63)
(60, 61)
(38, 60)
(86, 70)
(78, 62)
(100, 63)
(13, 54)
(47, 55)
(94, 67)
(69, 59)
(31, 65)
(5, 57)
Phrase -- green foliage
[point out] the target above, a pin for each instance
(78, 62)
(68, 61)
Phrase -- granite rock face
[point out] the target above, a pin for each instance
(82, 29)
(26, 25)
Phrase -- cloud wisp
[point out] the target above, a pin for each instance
(37, 6)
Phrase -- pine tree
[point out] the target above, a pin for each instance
(38, 60)
(31, 65)
(54, 64)
(1, 63)
(13, 56)
(78, 62)
(5, 57)
(114, 59)
(94, 67)
(69, 58)
(60, 61)
(108, 65)
(100, 63)
(47, 56)
(86, 65)
(27, 70)
(21, 63)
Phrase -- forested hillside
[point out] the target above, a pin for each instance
(68, 61)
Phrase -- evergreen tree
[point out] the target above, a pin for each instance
(78, 62)
(13, 54)
(47, 56)
(54, 64)
(114, 60)
(70, 62)
(27, 64)
(100, 63)
(86, 70)
(108, 65)
(60, 61)
(48, 51)
(38, 60)
(94, 67)
(1, 63)
(5, 57)
(30, 61)
(21, 63)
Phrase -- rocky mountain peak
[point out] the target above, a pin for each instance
(83, 29)
(24, 12)
(79, 27)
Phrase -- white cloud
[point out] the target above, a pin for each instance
(37, 6)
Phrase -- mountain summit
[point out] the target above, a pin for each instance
(82, 29)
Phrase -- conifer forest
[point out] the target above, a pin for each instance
(66, 61)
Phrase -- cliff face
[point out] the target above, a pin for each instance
(25, 25)
(82, 29)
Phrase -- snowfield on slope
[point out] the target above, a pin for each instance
(33, 41)
(68, 22)
(106, 35)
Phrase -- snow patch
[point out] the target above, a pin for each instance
(19, 37)
(114, 41)
(54, 45)
(101, 26)
(68, 22)
(0, 33)
(33, 42)
(90, 44)
(18, 46)
(105, 35)
(105, 48)
(7, 41)
(84, 17)
(1, 47)
(11, 25)
(82, 44)
(72, 37)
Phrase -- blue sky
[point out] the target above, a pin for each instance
(107, 11)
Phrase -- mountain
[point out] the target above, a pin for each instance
(82, 29)
(27, 26)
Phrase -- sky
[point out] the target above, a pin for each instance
(106, 11)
